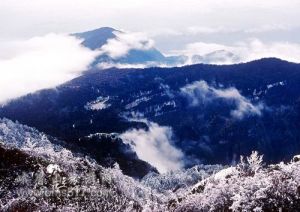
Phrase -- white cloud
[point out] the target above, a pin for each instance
(200, 48)
(256, 49)
(40, 62)
(155, 146)
(124, 42)
(269, 28)
(164, 32)
(214, 53)
(200, 92)
(245, 51)
(208, 30)
(106, 65)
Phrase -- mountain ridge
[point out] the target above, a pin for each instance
(207, 131)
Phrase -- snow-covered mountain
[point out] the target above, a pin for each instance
(37, 173)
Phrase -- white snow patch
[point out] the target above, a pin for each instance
(99, 104)
(137, 102)
(275, 84)
(53, 168)
(224, 173)
(157, 109)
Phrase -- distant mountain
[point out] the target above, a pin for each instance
(216, 112)
(95, 39)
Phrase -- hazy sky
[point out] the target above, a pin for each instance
(171, 23)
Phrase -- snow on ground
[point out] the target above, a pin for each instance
(275, 84)
(99, 104)
(137, 102)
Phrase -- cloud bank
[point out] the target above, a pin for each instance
(200, 92)
(245, 51)
(40, 62)
(155, 146)
(124, 42)
(106, 65)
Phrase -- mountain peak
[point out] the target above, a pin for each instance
(270, 60)
(99, 30)
(96, 38)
